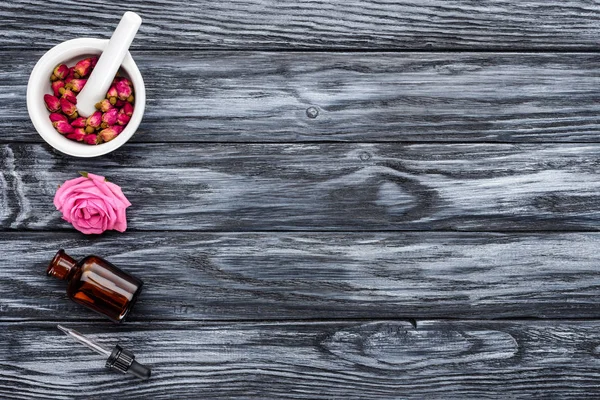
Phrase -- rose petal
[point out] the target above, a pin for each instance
(116, 190)
(59, 197)
(121, 222)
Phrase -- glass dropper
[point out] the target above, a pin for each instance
(85, 341)
(118, 358)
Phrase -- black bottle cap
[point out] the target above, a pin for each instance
(124, 361)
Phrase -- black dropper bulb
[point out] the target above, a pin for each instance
(124, 361)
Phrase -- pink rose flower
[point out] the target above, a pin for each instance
(92, 204)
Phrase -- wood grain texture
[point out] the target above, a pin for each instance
(306, 24)
(377, 360)
(360, 97)
(248, 187)
(269, 276)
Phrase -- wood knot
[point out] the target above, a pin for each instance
(397, 345)
(364, 156)
(312, 112)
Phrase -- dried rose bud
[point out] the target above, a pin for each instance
(123, 90)
(83, 68)
(94, 61)
(76, 84)
(53, 78)
(122, 118)
(112, 92)
(119, 103)
(119, 78)
(70, 75)
(108, 134)
(91, 139)
(55, 117)
(110, 117)
(67, 107)
(79, 122)
(94, 120)
(78, 135)
(61, 71)
(127, 109)
(104, 105)
(56, 85)
(73, 116)
(52, 102)
(69, 95)
(63, 127)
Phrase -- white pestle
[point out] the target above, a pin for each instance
(108, 64)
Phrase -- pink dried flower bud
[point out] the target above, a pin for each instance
(67, 107)
(104, 105)
(55, 117)
(79, 122)
(94, 61)
(123, 90)
(119, 103)
(52, 102)
(127, 109)
(70, 75)
(95, 119)
(112, 92)
(127, 81)
(69, 95)
(78, 135)
(61, 71)
(77, 84)
(108, 134)
(91, 138)
(56, 85)
(122, 118)
(110, 117)
(83, 67)
(63, 127)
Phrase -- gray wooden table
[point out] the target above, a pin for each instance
(331, 199)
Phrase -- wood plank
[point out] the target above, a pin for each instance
(339, 24)
(377, 360)
(264, 97)
(256, 187)
(253, 276)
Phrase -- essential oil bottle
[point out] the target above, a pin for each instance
(97, 284)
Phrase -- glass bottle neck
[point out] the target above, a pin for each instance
(62, 266)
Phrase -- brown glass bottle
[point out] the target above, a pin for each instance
(97, 284)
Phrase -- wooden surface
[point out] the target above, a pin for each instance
(357, 187)
(334, 199)
(309, 24)
(361, 97)
(366, 360)
(307, 276)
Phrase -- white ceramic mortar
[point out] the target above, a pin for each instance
(69, 53)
